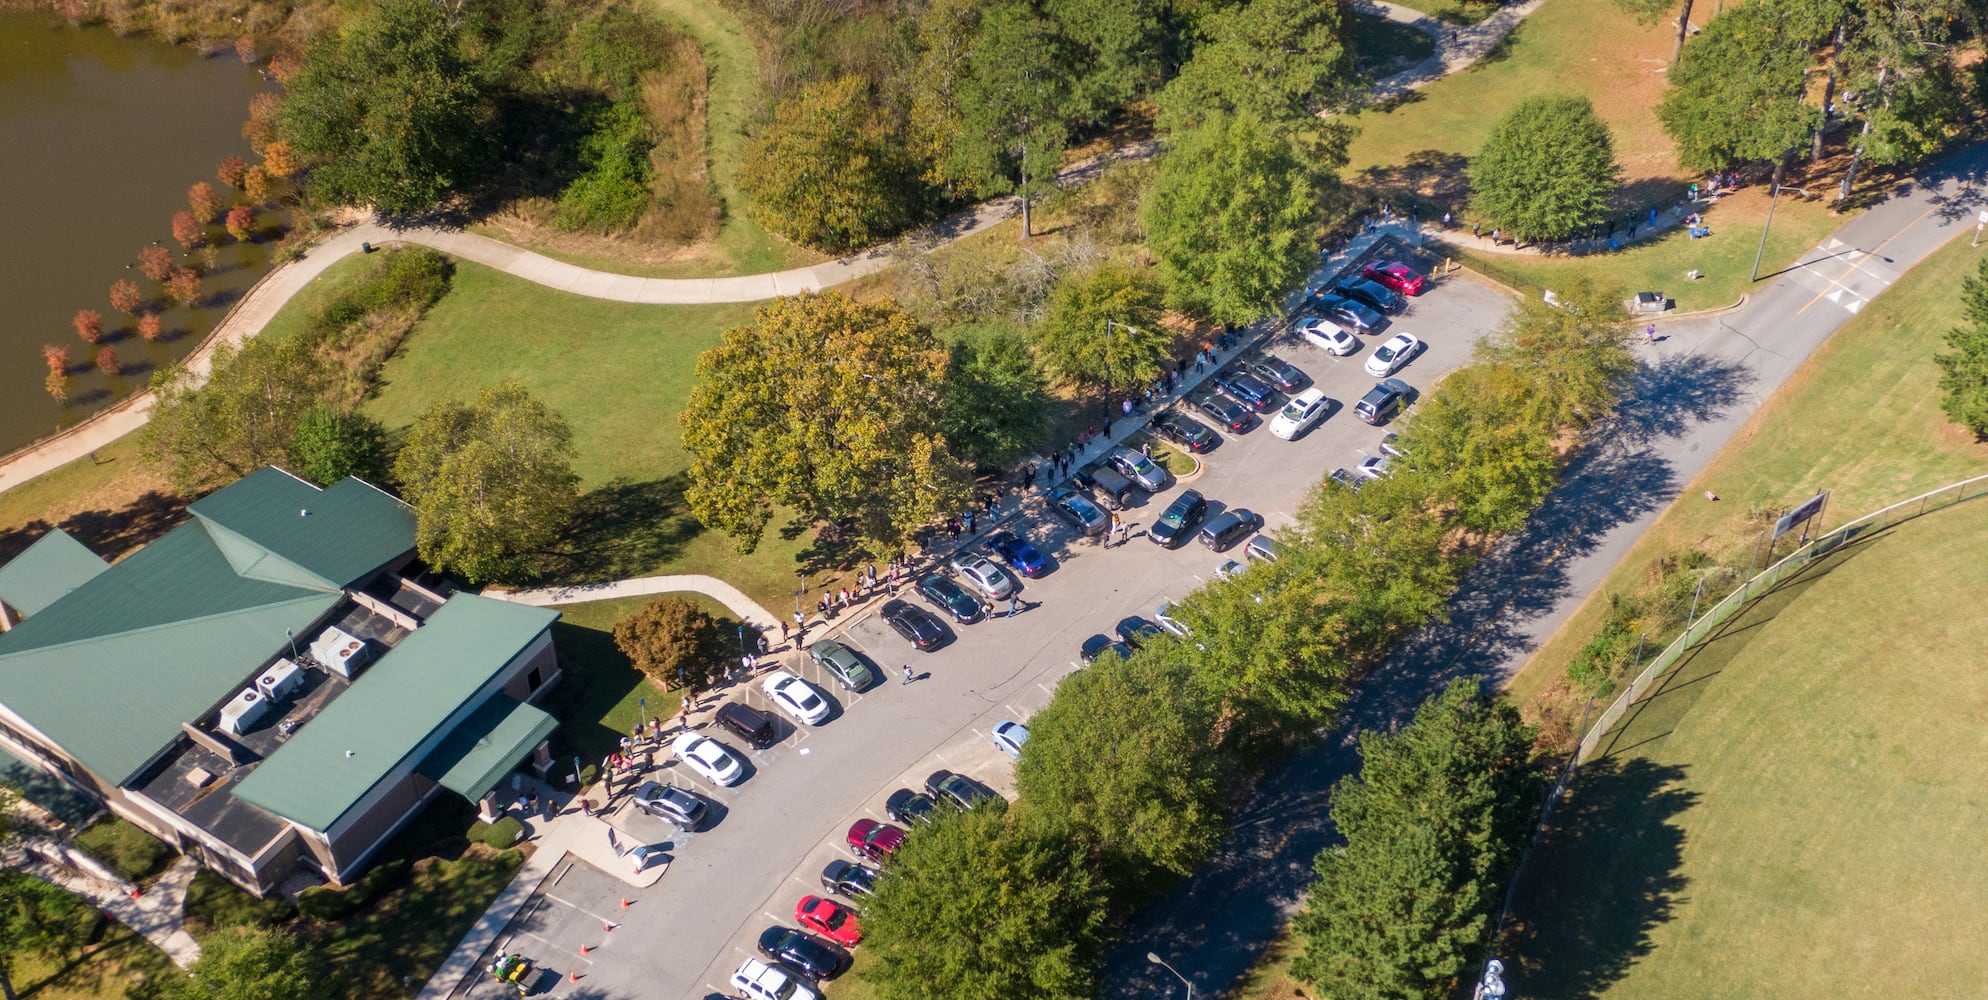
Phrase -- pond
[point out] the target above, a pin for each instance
(102, 138)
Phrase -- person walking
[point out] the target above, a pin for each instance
(907, 673)
(1014, 606)
(1650, 333)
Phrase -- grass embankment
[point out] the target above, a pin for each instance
(1452, 11)
(1794, 811)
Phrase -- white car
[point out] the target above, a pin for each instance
(709, 758)
(1389, 357)
(1228, 569)
(1304, 409)
(760, 981)
(1009, 736)
(1262, 548)
(980, 574)
(796, 697)
(1372, 467)
(1328, 336)
(1164, 616)
(1391, 445)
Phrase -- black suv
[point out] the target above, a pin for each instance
(958, 790)
(1373, 293)
(1185, 431)
(1246, 389)
(1177, 525)
(1134, 631)
(1229, 527)
(1098, 645)
(951, 598)
(849, 879)
(751, 724)
(907, 808)
(802, 952)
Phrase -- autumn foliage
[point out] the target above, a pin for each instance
(156, 262)
(125, 296)
(241, 222)
(107, 360)
(57, 385)
(183, 285)
(205, 203)
(57, 357)
(89, 325)
(231, 170)
(148, 326)
(186, 229)
(279, 158)
(258, 184)
(245, 50)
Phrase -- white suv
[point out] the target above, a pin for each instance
(761, 981)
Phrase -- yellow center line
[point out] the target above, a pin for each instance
(1835, 283)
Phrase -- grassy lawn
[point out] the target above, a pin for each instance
(404, 935)
(1794, 812)
(602, 694)
(1452, 11)
(109, 968)
(1382, 47)
(1878, 363)
(136, 855)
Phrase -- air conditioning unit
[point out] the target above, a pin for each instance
(281, 680)
(341, 653)
(243, 711)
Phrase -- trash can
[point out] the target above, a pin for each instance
(1651, 302)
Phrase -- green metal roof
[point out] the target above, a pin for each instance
(415, 689)
(278, 527)
(53, 566)
(487, 745)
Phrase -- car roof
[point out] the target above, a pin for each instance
(1224, 519)
(1309, 396)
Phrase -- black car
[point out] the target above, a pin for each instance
(915, 624)
(1227, 412)
(958, 790)
(1278, 372)
(1177, 524)
(1229, 527)
(1134, 631)
(1373, 293)
(1185, 431)
(1356, 316)
(951, 598)
(1098, 645)
(802, 952)
(849, 879)
(908, 808)
(1246, 389)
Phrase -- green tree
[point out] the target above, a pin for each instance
(1893, 61)
(1547, 170)
(390, 112)
(1964, 372)
(252, 964)
(1015, 104)
(330, 444)
(1383, 554)
(1102, 330)
(979, 906)
(994, 406)
(1434, 823)
(1576, 351)
(1126, 751)
(1278, 61)
(673, 641)
(827, 407)
(37, 918)
(831, 170)
(1123, 46)
(1486, 436)
(243, 418)
(1273, 641)
(491, 483)
(1738, 94)
(1232, 219)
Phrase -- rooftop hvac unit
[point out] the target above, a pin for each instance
(243, 711)
(340, 652)
(280, 681)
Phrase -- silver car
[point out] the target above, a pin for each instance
(1164, 616)
(1138, 468)
(982, 576)
(840, 662)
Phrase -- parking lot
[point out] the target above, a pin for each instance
(773, 832)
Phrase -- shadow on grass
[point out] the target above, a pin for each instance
(1433, 173)
(596, 678)
(1604, 877)
(108, 533)
(622, 529)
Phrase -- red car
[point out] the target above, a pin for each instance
(1396, 275)
(829, 919)
(874, 841)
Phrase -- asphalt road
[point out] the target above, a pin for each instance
(780, 826)
(1702, 381)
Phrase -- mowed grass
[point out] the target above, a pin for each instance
(1860, 418)
(1796, 811)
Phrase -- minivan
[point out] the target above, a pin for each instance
(1382, 402)
(751, 724)
(1104, 482)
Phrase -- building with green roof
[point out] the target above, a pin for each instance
(264, 686)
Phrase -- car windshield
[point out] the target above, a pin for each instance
(1174, 516)
(1081, 507)
(1296, 409)
(1386, 352)
(831, 918)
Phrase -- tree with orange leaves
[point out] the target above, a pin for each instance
(279, 158)
(258, 184)
(148, 326)
(184, 285)
(107, 360)
(57, 357)
(89, 325)
(125, 296)
(231, 170)
(205, 203)
(186, 229)
(241, 222)
(156, 262)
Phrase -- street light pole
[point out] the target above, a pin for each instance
(1157, 960)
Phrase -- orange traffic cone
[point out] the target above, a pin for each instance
(585, 949)
(609, 925)
(625, 904)
(573, 977)
(134, 894)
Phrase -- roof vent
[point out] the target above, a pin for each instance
(305, 512)
(200, 777)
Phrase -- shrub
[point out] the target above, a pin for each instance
(672, 640)
(614, 189)
(499, 835)
(324, 903)
(215, 903)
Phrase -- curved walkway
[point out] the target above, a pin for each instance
(724, 593)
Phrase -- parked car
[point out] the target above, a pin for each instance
(709, 758)
(1015, 552)
(1008, 737)
(1226, 412)
(1262, 548)
(1081, 513)
(979, 573)
(796, 697)
(1185, 431)
(849, 879)
(909, 808)
(749, 723)
(830, 919)
(1395, 276)
(670, 804)
(1347, 479)
(957, 790)
(1179, 520)
(1350, 313)
(1373, 293)
(757, 980)
(1133, 631)
(1246, 389)
(1382, 402)
(1393, 355)
(1391, 446)
(1298, 415)
(951, 598)
(1229, 527)
(914, 623)
(1164, 616)
(802, 952)
(1372, 467)
(1278, 372)
(1106, 486)
(874, 841)
(1100, 644)
(1229, 568)
(842, 663)
(1328, 336)
(1138, 468)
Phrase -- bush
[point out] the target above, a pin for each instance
(614, 190)
(214, 903)
(135, 854)
(499, 835)
(672, 640)
(324, 903)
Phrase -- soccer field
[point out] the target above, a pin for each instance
(1798, 809)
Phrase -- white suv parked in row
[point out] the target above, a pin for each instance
(761, 981)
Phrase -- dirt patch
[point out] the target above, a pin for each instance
(114, 518)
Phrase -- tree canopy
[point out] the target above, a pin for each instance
(1576, 351)
(1737, 95)
(1016, 102)
(673, 641)
(251, 964)
(1964, 371)
(244, 417)
(1103, 331)
(829, 408)
(1278, 61)
(492, 483)
(1547, 170)
(1486, 435)
(995, 403)
(330, 444)
(831, 170)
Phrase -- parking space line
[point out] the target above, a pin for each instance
(576, 906)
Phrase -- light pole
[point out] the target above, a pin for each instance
(1157, 960)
